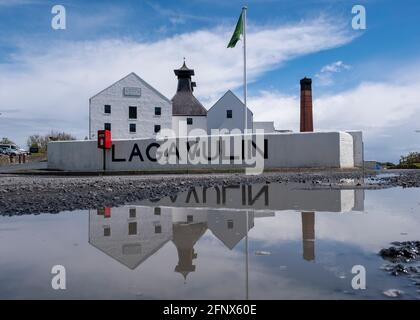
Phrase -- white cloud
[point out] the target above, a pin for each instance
(51, 83)
(13, 3)
(325, 76)
(337, 66)
(387, 113)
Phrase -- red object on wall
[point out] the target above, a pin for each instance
(306, 119)
(104, 139)
(106, 212)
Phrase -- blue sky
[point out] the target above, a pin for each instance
(365, 80)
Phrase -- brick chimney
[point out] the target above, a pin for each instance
(306, 120)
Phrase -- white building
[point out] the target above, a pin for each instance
(131, 108)
(229, 113)
(267, 126)
(187, 112)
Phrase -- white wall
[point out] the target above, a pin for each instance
(179, 124)
(267, 126)
(294, 150)
(119, 119)
(358, 147)
(216, 115)
(263, 197)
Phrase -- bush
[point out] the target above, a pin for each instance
(411, 159)
(41, 142)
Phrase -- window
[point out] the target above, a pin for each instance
(158, 228)
(229, 114)
(157, 128)
(107, 126)
(132, 228)
(132, 127)
(158, 111)
(107, 109)
(190, 218)
(230, 224)
(189, 121)
(107, 231)
(132, 112)
(157, 211)
(132, 212)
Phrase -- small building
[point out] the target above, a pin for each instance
(131, 108)
(229, 113)
(187, 112)
(267, 126)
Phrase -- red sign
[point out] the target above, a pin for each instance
(104, 139)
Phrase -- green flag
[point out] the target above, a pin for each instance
(237, 33)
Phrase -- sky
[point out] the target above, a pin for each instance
(365, 80)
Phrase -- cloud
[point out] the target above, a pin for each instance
(337, 66)
(387, 113)
(54, 81)
(325, 76)
(13, 3)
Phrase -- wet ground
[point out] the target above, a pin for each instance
(28, 194)
(262, 241)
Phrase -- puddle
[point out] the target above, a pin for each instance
(268, 241)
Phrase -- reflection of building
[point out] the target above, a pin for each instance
(185, 235)
(266, 197)
(230, 227)
(131, 234)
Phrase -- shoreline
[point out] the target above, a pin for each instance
(33, 194)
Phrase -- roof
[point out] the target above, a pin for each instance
(231, 93)
(141, 80)
(185, 68)
(185, 104)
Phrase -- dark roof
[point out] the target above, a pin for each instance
(185, 68)
(185, 104)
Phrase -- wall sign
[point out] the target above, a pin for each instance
(132, 91)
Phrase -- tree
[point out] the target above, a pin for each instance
(411, 159)
(60, 136)
(6, 141)
(41, 142)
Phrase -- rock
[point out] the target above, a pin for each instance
(393, 293)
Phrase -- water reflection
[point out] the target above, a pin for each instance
(131, 234)
(268, 241)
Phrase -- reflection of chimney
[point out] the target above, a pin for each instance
(184, 237)
(306, 120)
(308, 235)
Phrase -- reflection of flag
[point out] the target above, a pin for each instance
(237, 33)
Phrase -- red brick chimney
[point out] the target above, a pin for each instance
(306, 120)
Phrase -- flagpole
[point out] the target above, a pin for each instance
(245, 80)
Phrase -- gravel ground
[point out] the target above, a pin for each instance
(32, 194)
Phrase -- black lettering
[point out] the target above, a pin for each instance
(264, 152)
(251, 200)
(217, 194)
(113, 159)
(194, 192)
(224, 192)
(150, 146)
(135, 153)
